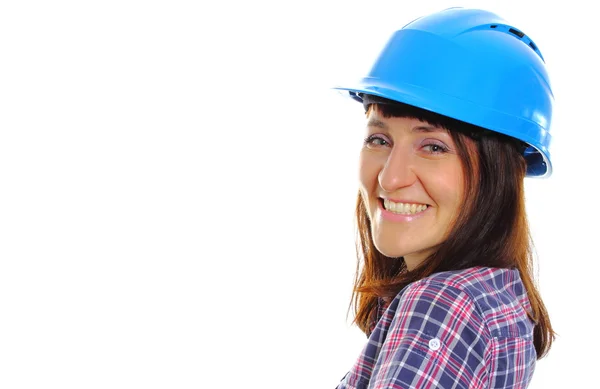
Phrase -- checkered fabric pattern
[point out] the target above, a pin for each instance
(456, 329)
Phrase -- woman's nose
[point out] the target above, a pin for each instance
(397, 171)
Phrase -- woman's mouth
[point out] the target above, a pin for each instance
(403, 208)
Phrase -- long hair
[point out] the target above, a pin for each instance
(491, 229)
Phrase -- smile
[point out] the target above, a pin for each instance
(403, 208)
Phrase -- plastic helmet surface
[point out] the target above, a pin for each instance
(473, 66)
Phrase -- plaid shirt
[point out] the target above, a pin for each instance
(457, 329)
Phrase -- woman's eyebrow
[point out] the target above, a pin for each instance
(428, 129)
(373, 122)
(376, 123)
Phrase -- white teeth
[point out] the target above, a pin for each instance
(403, 208)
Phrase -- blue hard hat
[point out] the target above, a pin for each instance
(473, 66)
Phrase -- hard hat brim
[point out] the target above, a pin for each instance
(472, 113)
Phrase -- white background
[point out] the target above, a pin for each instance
(177, 183)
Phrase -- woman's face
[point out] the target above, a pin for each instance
(412, 185)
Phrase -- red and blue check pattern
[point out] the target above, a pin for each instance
(456, 329)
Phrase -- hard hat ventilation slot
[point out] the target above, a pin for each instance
(516, 32)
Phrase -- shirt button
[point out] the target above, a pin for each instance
(434, 344)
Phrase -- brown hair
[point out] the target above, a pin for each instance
(491, 229)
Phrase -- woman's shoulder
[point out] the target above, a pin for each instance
(496, 295)
(477, 280)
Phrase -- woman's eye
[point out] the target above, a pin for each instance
(375, 140)
(435, 148)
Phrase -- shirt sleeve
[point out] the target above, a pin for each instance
(437, 339)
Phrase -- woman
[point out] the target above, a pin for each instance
(459, 107)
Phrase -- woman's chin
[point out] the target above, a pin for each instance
(412, 256)
(391, 251)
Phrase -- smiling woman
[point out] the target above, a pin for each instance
(403, 156)
(444, 289)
